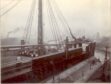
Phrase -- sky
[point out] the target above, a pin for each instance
(85, 17)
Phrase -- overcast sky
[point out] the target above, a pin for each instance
(85, 17)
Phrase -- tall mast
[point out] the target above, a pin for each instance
(41, 48)
(40, 24)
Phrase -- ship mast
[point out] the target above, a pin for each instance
(40, 24)
(40, 28)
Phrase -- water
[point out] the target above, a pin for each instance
(101, 56)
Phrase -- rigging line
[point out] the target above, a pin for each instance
(54, 31)
(29, 28)
(65, 21)
(60, 38)
(54, 26)
(29, 34)
(29, 18)
(56, 23)
(59, 16)
(36, 25)
(51, 25)
(29, 21)
(8, 10)
(7, 5)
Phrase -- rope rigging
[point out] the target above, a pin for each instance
(63, 20)
(59, 16)
(8, 10)
(6, 5)
(27, 31)
(51, 25)
(53, 13)
(55, 27)
(55, 24)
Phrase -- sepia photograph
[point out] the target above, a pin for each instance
(55, 41)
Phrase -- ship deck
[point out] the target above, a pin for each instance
(8, 61)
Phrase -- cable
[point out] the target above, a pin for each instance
(28, 26)
(8, 10)
(52, 21)
(64, 20)
(60, 18)
(55, 23)
(51, 25)
(7, 5)
(31, 21)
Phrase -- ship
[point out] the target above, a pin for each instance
(45, 62)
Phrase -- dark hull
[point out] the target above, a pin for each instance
(54, 64)
(46, 66)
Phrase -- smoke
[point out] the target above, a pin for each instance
(12, 32)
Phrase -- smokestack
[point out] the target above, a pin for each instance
(14, 31)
